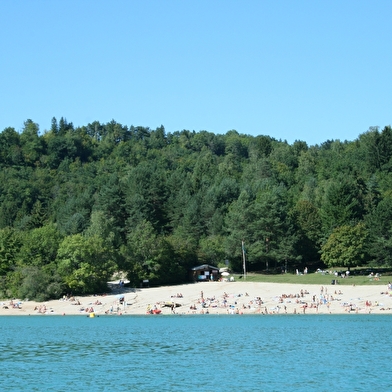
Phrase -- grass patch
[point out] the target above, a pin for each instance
(314, 278)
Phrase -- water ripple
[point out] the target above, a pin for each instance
(198, 353)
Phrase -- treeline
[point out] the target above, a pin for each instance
(79, 203)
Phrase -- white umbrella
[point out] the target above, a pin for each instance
(225, 273)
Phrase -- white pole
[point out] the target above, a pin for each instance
(243, 258)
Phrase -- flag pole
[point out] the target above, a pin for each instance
(243, 258)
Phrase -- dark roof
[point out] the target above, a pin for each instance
(205, 267)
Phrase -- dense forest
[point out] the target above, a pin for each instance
(79, 203)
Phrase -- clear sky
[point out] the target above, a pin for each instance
(294, 70)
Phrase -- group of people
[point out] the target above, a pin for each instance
(41, 309)
(299, 273)
(154, 309)
(13, 305)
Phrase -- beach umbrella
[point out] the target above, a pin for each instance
(225, 273)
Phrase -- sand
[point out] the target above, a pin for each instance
(219, 298)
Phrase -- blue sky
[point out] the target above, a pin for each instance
(293, 70)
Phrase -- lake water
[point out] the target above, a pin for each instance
(196, 353)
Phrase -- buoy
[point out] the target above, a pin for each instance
(92, 314)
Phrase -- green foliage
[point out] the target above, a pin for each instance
(10, 148)
(145, 194)
(237, 224)
(308, 226)
(211, 250)
(10, 243)
(379, 224)
(31, 143)
(39, 246)
(39, 284)
(346, 246)
(150, 256)
(85, 264)
(343, 204)
(78, 203)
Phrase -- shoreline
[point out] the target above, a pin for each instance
(217, 298)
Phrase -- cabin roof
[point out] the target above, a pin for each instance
(205, 267)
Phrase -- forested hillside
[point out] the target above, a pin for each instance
(78, 203)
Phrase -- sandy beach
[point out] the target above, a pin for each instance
(216, 298)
